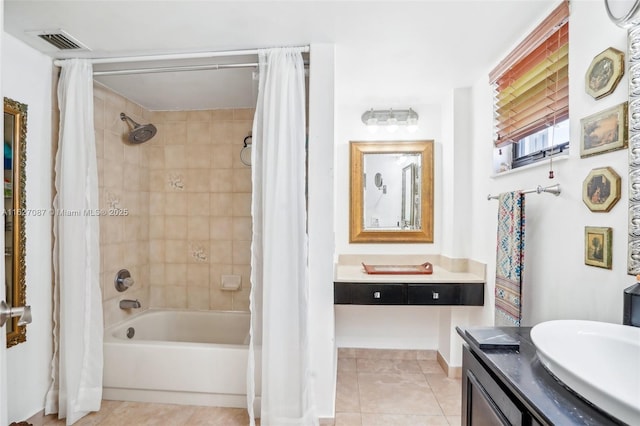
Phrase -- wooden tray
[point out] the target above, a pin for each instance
(424, 269)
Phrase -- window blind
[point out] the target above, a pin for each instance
(531, 85)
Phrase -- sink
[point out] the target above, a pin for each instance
(597, 360)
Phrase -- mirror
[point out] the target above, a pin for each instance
(623, 13)
(15, 138)
(391, 192)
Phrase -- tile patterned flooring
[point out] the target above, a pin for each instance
(390, 387)
(375, 388)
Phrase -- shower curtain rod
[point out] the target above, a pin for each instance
(553, 189)
(178, 69)
(174, 69)
(174, 56)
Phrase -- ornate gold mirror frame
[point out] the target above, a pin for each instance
(15, 202)
(358, 232)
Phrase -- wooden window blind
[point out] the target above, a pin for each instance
(531, 85)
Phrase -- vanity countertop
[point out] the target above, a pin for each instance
(355, 274)
(523, 374)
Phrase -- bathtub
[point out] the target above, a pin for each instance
(179, 357)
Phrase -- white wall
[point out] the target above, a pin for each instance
(321, 237)
(382, 326)
(557, 283)
(26, 78)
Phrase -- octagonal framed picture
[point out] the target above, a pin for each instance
(601, 189)
(604, 73)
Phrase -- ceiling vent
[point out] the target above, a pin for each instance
(60, 39)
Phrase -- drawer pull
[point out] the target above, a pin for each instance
(376, 295)
(435, 295)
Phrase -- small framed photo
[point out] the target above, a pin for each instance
(604, 73)
(601, 189)
(597, 246)
(605, 131)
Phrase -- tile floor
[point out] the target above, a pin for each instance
(389, 387)
(375, 388)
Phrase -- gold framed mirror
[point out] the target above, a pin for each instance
(391, 192)
(15, 202)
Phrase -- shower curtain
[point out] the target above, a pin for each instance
(279, 367)
(76, 368)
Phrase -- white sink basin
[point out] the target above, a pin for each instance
(599, 361)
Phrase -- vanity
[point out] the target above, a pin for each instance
(443, 287)
(512, 387)
(408, 311)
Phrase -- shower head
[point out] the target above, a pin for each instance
(140, 132)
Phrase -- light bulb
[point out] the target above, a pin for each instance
(412, 121)
(392, 124)
(412, 124)
(372, 124)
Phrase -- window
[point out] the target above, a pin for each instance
(531, 88)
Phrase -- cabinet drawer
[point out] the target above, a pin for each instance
(370, 294)
(471, 294)
(446, 294)
(434, 294)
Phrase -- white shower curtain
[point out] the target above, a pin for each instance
(279, 368)
(76, 368)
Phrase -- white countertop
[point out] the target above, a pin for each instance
(356, 273)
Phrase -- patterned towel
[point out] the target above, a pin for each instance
(509, 259)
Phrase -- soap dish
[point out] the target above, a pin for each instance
(230, 282)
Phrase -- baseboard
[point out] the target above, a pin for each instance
(181, 398)
(452, 372)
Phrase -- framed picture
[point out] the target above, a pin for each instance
(604, 73)
(597, 246)
(601, 189)
(605, 131)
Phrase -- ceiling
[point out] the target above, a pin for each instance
(445, 43)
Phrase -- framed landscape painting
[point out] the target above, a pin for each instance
(605, 131)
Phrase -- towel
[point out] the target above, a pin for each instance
(509, 259)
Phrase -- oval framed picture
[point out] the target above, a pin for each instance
(604, 73)
(601, 189)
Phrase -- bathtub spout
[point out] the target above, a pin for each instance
(130, 304)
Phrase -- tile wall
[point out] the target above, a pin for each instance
(123, 176)
(187, 197)
(200, 209)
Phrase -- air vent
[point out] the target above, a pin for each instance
(60, 39)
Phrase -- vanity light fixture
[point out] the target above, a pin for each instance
(391, 119)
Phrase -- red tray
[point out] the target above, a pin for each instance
(424, 269)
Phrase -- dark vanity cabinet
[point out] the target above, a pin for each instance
(445, 294)
(485, 401)
(511, 387)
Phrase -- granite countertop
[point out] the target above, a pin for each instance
(524, 375)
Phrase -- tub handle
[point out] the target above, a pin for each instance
(123, 280)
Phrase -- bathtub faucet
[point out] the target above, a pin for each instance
(130, 304)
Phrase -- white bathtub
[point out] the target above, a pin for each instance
(179, 357)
